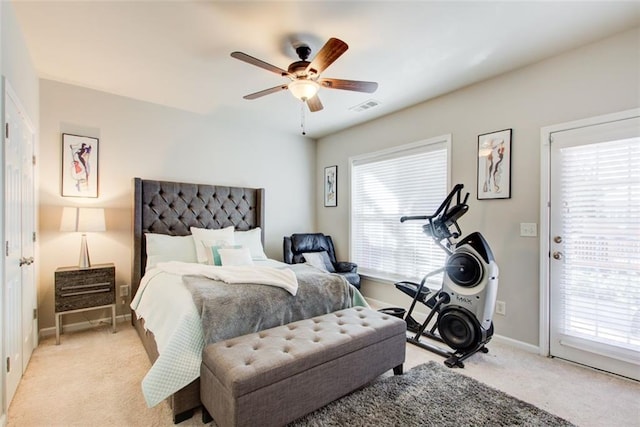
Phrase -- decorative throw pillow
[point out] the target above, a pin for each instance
(251, 239)
(240, 256)
(213, 253)
(164, 248)
(220, 237)
(319, 260)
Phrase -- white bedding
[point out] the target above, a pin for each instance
(170, 314)
(279, 277)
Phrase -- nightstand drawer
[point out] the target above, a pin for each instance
(84, 288)
(69, 291)
(84, 299)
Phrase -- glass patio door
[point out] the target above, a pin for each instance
(594, 234)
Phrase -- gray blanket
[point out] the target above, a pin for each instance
(231, 310)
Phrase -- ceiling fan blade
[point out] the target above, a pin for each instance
(266, 92)
(331, 51)
(314, 104)
(259, 63)
(354, 85)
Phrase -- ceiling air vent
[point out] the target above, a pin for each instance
(367, 105)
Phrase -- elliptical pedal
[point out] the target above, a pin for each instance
(424, 295)
(412, 324)
(414, 291)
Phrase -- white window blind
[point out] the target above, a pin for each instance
(385, 187)
(600, 287)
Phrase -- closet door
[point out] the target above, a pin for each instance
(19, 213)
(13, 240)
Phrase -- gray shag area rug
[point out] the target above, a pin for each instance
(429, 395)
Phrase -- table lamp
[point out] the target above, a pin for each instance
(83, 220)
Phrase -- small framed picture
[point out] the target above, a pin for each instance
(494, 165)
(79, 166)
(331, 186)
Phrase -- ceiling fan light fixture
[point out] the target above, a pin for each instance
(304, 89)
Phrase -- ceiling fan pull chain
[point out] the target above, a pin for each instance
(302, 118)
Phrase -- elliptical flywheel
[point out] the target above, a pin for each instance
(464, 269)
(458, 328)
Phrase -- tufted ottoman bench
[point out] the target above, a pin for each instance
(275, 376)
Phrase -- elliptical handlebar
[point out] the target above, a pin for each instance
(413, 218)
(445, 216)
(454, 192)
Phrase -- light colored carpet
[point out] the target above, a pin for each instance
(93, 378)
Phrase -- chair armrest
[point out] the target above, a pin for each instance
(346, 267)
(287, 252)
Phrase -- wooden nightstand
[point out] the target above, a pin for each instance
(81, 289)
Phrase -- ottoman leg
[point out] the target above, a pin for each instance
(178, 418)
(397, 370)
(206, 416)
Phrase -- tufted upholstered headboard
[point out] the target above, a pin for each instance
(165, 207)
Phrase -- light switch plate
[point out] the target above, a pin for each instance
(528, 229)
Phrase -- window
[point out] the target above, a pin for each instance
(599, 292)
(408, 180)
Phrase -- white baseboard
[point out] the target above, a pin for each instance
(420, 316)
(82, 326)
(521, 345)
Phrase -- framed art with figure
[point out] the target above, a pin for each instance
(494, 165)
(331, 186)
(79, 166)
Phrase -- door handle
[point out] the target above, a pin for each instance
(557, 239)
(26, 261)
(557, 255)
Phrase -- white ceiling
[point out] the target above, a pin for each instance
(176, 53)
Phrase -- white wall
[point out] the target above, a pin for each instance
(139, 139)
(597, 79)
(17, 65)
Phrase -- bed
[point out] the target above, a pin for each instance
(169, 210)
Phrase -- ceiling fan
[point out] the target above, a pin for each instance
(305, 76)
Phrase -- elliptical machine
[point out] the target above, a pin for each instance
(463, 307)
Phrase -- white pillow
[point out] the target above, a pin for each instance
(319, 260)
(213, 256)
(164, 248)
(251, 239)
(240, 256)
(220, 237)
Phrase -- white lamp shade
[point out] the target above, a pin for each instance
(304, 89)
(82, 219)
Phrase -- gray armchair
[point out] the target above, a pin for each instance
(296, 245)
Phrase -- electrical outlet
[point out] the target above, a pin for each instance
(501, 308)
(124, 290)
(528, 229)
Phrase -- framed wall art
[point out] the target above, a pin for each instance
(79, 166)
(494, 165)
(331, 186)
